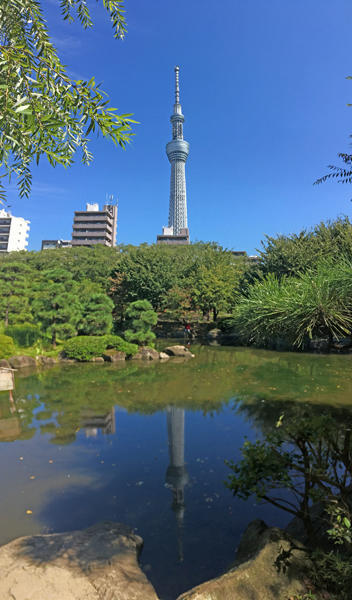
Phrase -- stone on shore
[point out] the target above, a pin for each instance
(20, 362)
(114, 356)
(97, 359)
(214, 334)
(96, 563)
(178, 351)
(163, 356)
(258, 575)
(46, 361)
(4, 364)
(146, 353)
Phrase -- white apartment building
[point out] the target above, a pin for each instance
(14, 232)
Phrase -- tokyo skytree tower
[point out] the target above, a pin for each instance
(177, 152)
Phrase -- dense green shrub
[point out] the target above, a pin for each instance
(227, 324)
(7, 347)
(293, 254)
(24, 335)
(84, 347)
(317, 303)
(117, 343)
(140, 318)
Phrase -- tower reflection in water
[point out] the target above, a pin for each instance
(176, 474)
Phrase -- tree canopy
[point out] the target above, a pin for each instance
(292, 254)
(43, 111)
(56, 306)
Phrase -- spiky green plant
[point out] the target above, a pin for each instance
(316, 303)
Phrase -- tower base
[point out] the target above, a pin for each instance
(168, 237)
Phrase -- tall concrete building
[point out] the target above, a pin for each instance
(14, 232)
(177, 152)
(94, 226)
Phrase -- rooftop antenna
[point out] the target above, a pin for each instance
(110, 199)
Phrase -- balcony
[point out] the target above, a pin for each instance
(91, 226)
(90, 242)
(87, 235)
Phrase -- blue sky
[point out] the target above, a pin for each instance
(264, 94)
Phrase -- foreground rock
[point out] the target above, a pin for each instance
(94, 564)
(20, 362)
(258, 575)
(178, 351)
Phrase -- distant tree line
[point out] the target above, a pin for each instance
(299, 288)
(89, 291)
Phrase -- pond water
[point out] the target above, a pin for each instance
(146, 444)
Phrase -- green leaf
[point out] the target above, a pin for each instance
(22, 108)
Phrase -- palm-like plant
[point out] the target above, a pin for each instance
(316, 303)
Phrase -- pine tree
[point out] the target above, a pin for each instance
(140, 319)
(56, 305)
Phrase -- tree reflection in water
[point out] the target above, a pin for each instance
(305, 449)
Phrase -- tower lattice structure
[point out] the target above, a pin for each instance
(177, 152)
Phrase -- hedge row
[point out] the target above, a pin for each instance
(85, 347)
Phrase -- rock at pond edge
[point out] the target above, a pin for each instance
(114, 356)
(178, 351)
(146, 353)
(98, 562)
(19, 362)
(46, 361)
(4, 364)
(256, 574)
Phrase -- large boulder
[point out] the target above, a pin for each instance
(259, 574)
(67, 361)
(146, 353)
(46, 361)
(4, 363)
(94, 564)
(342, 344)
(178, 351)
(319, 345)
(214, 334)
(20, 362)
(114, 356)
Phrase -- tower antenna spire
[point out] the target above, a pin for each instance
(177, 152)
(177, 85)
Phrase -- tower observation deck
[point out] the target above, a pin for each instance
(177, 152)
